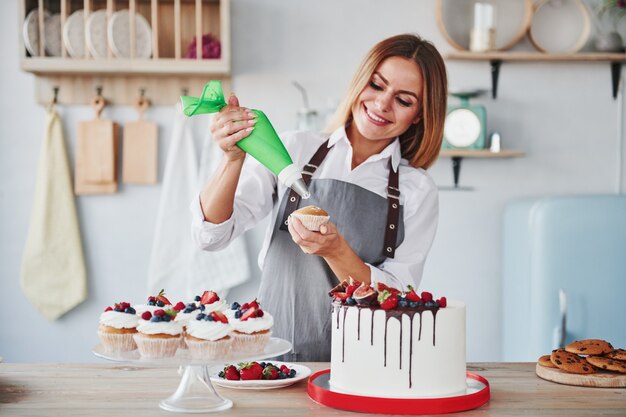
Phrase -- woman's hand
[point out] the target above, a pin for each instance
(324, 243)
(230, 125)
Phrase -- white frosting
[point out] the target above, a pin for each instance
(140, 308)
(208, 330)
(183, 318)
(118, 320)
(436, 370)
(253, 324)
(171, 327)
(220, 305)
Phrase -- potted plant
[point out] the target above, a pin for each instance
(607, 15)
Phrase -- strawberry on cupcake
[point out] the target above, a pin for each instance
(154, 302)
(252, 328)
(208, 336)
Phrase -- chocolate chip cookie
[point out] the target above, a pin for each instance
(589, 347)
(570, 362)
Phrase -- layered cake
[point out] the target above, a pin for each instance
(396, 344)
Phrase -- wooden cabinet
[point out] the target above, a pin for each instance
(163, 75)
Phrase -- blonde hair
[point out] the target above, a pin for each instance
(420, 143)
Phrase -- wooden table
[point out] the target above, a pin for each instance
(114, 390)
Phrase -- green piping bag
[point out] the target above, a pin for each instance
(263, 143)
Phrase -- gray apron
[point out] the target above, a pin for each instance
(294, 285)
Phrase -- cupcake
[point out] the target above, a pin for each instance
(208, 336)
(117, 326)
(158, 335)
(158, 302)
(252, 328)
(312, 217)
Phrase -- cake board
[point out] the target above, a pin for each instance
(319, 390)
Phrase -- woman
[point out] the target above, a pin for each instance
(368, 174)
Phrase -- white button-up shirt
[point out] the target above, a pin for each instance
(259, 193)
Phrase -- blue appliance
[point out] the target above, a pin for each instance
(564, 273)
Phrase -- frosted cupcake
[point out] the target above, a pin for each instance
(158, 335)
(208, 336)
(252, 328)
(117, 326)
(312, 217)
(154, 303)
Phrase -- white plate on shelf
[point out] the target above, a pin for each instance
(456, 19)
(30, 31)
(52, 41)
(96, 34)
(572, 19)
(74, 34)
(118, 34)
(302, 372)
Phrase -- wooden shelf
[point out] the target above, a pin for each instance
(497, 58)
(163, 77)
(481, 153)
(168, 66)
(457, 156)
(536, 57)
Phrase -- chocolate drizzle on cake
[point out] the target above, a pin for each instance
(397, 314)
(343, 342)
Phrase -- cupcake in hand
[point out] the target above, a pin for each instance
(158, 335)
(252, 328)
(312, 217)
(208, 336)
(117, 326)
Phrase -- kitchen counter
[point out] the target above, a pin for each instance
(107, 390)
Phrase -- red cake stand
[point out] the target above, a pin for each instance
(477, 394)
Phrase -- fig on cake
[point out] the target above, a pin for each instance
(365, 295)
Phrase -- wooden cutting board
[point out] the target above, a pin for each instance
(140, 149)
(601, 379)
(96, 154)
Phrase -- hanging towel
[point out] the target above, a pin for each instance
(177, 264)
(53, 275)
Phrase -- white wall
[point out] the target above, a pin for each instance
(562, 115)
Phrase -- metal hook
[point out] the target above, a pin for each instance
(99, 90)
(185, 91)
(142, 92)
(55, 94)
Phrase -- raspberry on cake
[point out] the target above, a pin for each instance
(414, 345)
(117, 326)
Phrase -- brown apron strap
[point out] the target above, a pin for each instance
(393, 198)
(393, 212)
(307, 173)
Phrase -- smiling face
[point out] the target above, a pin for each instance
(390, 102)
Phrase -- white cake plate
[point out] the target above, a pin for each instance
(195, 393)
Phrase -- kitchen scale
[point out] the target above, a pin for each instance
(466, 124)
(465, 128)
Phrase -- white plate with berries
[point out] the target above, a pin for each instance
(258, 375)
